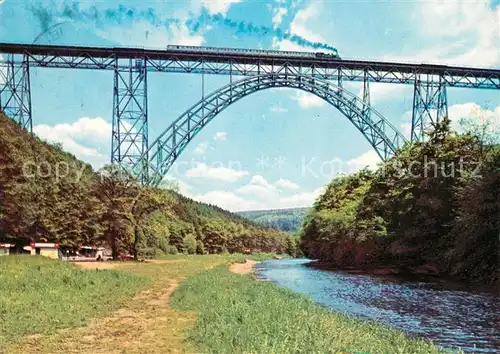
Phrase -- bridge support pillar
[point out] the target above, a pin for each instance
(130, 118)
(15, 91)
(366, 95)
(430, 105)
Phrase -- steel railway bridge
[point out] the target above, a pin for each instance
(248, 73)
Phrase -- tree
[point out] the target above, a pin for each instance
(117, 190)
(78, 206)
(189, 244)
(485, 129)
(144, 203)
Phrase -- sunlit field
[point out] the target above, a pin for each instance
(237, 314)
(176, 304)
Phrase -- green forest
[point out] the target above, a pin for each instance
(47, 195)
(289, 220)
(434, 207)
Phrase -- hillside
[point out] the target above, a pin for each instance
(288, 220)
(411, 215)
(47, 195)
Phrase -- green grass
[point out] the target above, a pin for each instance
(40, 295)
(229, 257)
(219, 311)
(240, 315)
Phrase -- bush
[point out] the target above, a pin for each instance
(189, 243)
(200, 247)
(171, 250)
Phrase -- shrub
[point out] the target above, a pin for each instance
(189, 243)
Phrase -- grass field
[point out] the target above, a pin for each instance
(39, 295)
(237, 314)
(173, 305)
(113, 318)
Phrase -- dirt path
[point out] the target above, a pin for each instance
(96, 265)
(145, 324)
(243, 268)
(152, 327)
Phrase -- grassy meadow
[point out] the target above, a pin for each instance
(39, 295)
(179, 304)
(237, 314)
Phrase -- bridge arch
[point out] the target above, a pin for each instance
(163, 152)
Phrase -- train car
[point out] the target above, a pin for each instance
(322, 55)
(241, 51)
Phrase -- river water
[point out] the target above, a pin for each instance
(451, 314)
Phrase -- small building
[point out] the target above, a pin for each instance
(50, 250)
(5, 248)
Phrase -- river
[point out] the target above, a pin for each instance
(451, 314)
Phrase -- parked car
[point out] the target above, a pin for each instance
(125, 257)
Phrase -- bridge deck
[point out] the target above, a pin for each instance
(249, 64)
(123, 52)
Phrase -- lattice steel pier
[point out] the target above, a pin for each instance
(129, 141)
(15, 90)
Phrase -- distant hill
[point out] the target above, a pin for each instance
(289, 220)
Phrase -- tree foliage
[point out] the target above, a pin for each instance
(47, 195)
(288, 220)
(434, 204)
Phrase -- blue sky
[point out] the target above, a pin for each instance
(275, 148)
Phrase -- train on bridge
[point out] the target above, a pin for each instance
(272, 53)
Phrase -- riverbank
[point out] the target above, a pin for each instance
(243, 268)
(190, 304)
(426, 270)
(237, 314)
(425, 273)
(428, 307)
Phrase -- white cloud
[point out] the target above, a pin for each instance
(201, 148)
(278, 15)
(217, 173)
(286, 184)
(260, 194)
(85, 128)
(308, 100)
(381, 91)
(87, 138)
(304, 199)
(179, 34)
(259, 187)
(220, 136)
(229, 201)
(300, 25)
(368, 159)
(405, 129)
(473, 111)
(175, 183)
(232, 201)
(214, 6)
(456, 112)
(468, 32)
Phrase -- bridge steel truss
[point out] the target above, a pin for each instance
(380, 133)
(131, 65)
(129, 141)
(15, 91)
